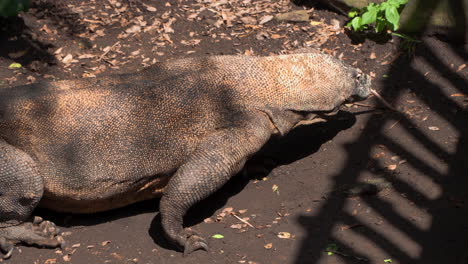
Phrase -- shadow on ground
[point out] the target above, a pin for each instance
(445, 238)
(23, 39)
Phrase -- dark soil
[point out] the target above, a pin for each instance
(302, 207)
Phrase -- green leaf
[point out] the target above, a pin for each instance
(373, 8)
(388, 260)
(369, 17)
(217, 236)
(332, 247)
(15, 65)
(356, 23)
(354, 12)
(383, 6)
(391, 14)
(393, 3)
(380, 25)
(401, 2)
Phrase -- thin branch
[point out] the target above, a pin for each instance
(243, 221)
(388, 105)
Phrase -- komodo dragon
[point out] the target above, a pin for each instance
(183, 126)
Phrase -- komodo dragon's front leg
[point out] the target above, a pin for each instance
(216, 159)
(21, 189)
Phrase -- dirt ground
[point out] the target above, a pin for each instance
(300, 209)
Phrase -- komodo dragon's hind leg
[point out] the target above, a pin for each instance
(21, 189)
(217, 158)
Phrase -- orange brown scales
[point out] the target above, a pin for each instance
(180, 128)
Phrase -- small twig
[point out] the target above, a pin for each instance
(243, 221)
(105, 53)
(389, 106)
(364, 105)
(394, 124)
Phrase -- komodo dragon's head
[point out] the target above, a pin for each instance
(315, 82)
(362, 87)
(333, 83)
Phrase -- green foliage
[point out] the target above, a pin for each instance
(12, 7)
(383, 16)
(331, 249)
(408, 44)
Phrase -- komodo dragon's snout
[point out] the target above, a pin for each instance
(180, 129)
(362, 88)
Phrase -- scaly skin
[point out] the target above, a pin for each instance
(179, 129)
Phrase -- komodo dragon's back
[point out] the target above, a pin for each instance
(108, 142)
(183, 126)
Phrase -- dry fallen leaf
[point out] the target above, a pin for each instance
(105, 242)
(228, 210)
(461, 67)
(335, 24)
(434, 128)
(50, 261)
(46, 29)
(58, 51)
(133, 29)
(117, 256)
(265, 19)
(379, 155)
(236, 226)
(275, 188)
(150, 8)
(66, 258)
(67, 59)
(276, 36)
(268, 246)
(208, 220)
(249, 20)
(392, 167)
(31, 79)
(285, 235)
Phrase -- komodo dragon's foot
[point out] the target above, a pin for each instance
(39, 233)
(190, 241)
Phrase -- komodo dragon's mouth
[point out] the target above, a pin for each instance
(317, 117)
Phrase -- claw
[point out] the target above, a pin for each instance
(194, 243)
(37, 220)
(62, 242)
(9, 253)
(39, 233)
(6, 246)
